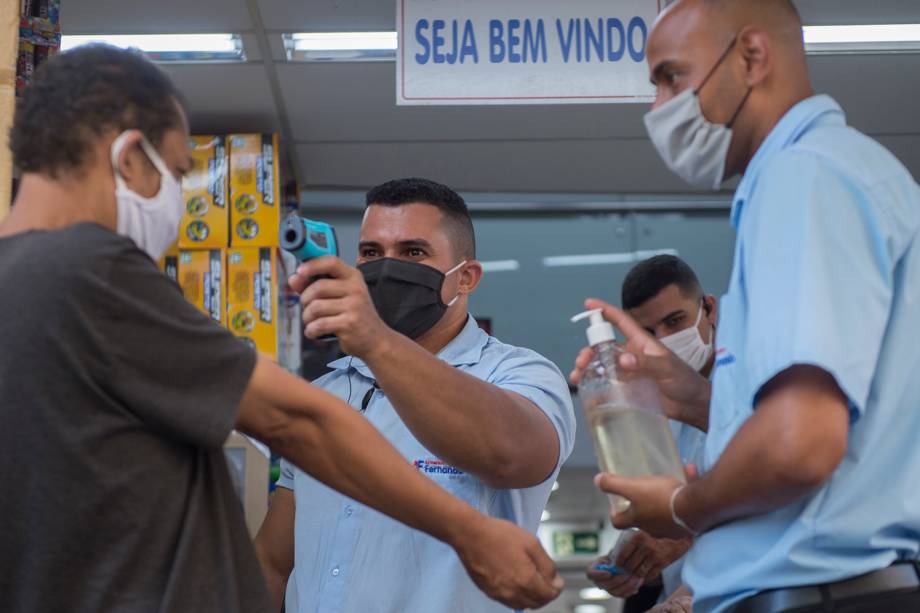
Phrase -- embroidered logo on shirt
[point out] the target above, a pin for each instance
(436, 467)
(724, 358)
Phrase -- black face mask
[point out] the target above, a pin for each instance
(407, 295)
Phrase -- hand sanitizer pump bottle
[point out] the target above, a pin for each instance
(629, 427)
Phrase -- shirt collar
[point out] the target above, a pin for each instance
(798, 120)
(465, 349)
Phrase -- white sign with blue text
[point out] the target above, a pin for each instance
(523, 51)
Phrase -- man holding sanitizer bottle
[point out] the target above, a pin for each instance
(664, 295)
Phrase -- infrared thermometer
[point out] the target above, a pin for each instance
(306, 239)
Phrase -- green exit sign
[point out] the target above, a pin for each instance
(575, 543)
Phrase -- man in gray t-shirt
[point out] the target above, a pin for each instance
(117, 394)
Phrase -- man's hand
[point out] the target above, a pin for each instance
(684, 392)
(339, 305)
(508, 564)
(621, 586)
(645, 557)
(649, 503)
(678, 603)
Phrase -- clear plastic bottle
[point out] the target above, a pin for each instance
(629, 428)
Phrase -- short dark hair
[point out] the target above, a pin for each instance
(649, 277)
(78, 96)
(457, 219)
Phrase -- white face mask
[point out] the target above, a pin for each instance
(694, 148)
(689, 346)
(152, 223)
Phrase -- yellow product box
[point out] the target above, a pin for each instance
(203, 280)
(206, 220)
(255, 207)
(169, 262)
(252, 309)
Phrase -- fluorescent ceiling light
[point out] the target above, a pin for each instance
(879, 38)
(343, 41)
(597, 259)
(500, 266)
(590, 608)
(168, 47)
(593, 593)
(545, 515)
(341, 46)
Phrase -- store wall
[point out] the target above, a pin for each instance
(531, 305)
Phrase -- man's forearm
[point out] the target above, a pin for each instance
(273, 579)
(735, 491)
(469, 423)
(782, 453)
(323, 437)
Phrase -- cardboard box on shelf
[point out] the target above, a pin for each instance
(169, 262)
(252, 310)
(290, 324)
(203, 280)
(255, 207)
(249, 470)
(206, 220)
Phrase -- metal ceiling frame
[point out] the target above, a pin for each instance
(274, 83)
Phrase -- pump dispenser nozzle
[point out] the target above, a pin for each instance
(600, 330)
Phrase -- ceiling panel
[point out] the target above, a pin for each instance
(555, 166)
(226, 97)
(357, 102)
(351, 133)
(834, 12)
(328, 15)
(161, 16)
(878, 92)
(564, 166)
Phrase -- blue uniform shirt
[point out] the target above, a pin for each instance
(827, 273)
(352, 559)
(690, 442)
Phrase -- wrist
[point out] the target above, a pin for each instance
(679, 511)
(460, 522)
(380, 348)
(690, 506)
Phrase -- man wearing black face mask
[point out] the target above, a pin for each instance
(488, 422)
(118, 393)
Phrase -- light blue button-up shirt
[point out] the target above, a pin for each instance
(826, 273)
(690, 442)
(352, 559)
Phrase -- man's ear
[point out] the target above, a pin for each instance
(470, 276)
(757, 51)
(711, 307)
(130, 157)
(135, 168)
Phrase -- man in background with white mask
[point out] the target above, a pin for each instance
(665, 297)
(488, 422)
(117, 393)
(807, 499)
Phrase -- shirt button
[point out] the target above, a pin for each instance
(335, 571)
(349, 511)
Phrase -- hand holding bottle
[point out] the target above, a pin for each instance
(685, 393)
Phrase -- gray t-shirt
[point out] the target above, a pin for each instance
(115, 398)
